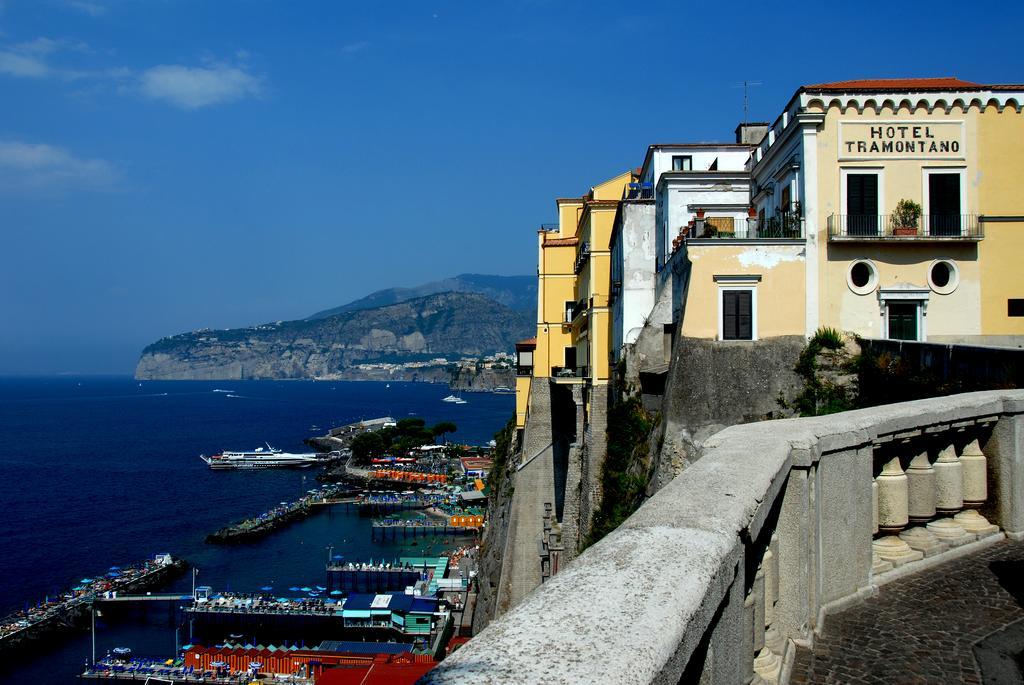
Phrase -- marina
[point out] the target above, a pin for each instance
(278, 544)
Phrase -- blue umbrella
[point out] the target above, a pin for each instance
(85, 580)
(321, 588)
(307, 589)
(337, 592)
(266, 588)
(115, 568)
(283, 600)
(293, 588)
(337, 557)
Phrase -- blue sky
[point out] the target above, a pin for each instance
(166, 166)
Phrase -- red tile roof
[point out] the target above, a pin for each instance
(527, 342)
(560, 242)
(896, 84)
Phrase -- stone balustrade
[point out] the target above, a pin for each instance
(726, 570)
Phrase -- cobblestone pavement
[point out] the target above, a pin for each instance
(922, 628)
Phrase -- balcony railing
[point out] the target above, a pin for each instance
(884, 227)
(787, 226)
(549, 227)
(581, 257)
(638, 191)
(569, 371)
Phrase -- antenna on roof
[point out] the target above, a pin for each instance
(746, 97)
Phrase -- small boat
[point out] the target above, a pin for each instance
(451, 398)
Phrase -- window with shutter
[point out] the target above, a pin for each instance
(737, 315)
(862, 204)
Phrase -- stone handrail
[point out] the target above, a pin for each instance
(740, 556)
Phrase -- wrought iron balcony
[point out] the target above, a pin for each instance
(952, 227)
(581, 257)
(784, 226)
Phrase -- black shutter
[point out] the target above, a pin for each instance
(862, 204)
(854, 194)
(745, 318)
(730, 315)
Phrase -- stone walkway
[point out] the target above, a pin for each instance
(922, 628)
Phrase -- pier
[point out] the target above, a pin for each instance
(71, 609)
(279, 516)
(387, 529)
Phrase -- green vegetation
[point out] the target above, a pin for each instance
(625, 474)
(906, 214)
(502, 457)
(443, 428)
(407, 434)
(823, 392)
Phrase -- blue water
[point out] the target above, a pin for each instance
(104, 471)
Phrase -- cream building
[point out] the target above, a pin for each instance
(843, 157)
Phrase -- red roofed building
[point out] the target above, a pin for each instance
(382, 671)
(901, 198)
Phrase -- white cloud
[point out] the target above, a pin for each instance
(36, 166)
(29, 59)
(355, 47)
(22, 66)
(93, 9)
(195, 87)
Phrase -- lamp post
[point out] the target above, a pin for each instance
(93, 612)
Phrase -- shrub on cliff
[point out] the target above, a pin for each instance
(624, 476)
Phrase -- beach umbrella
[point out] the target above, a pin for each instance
(307, 589)
(85, 580)
(321, 588)
(293, 588)
(266, 588)
(283, 600)
(337, 557)
(337, 592)
(114, 568)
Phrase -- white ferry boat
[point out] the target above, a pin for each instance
(259, 458)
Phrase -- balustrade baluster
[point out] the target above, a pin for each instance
(921, 488)
(768, 663)
(949, 482)
(975, 491)
(949, 487)
(921, 506)
(892, 515)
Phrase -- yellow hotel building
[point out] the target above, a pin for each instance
(572, 344)
(591, 316)
(907, 194)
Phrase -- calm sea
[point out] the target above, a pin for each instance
(104, 471)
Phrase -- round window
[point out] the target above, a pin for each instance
(943, 277)
(862, 277)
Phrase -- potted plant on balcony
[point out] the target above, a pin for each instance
(905, 218)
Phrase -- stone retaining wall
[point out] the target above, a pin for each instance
(738, 558)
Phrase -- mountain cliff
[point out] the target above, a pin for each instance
(448, 324)
(515, 292)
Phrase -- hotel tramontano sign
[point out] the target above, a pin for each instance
(903, 139)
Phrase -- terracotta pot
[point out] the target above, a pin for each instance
(905, 230)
